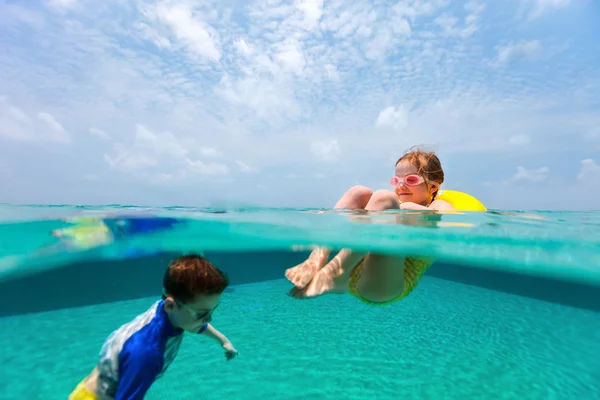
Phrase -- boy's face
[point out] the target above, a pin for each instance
(191, 316)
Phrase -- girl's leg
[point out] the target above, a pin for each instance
(333, 277)
(356, 198)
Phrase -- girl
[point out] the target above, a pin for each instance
(374, 278)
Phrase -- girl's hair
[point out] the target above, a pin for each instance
(427, 164)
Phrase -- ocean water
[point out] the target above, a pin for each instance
(511, 309)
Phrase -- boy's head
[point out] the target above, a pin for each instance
(192, 288)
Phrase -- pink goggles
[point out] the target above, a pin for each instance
(408, 180)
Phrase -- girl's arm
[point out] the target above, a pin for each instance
(439, 205)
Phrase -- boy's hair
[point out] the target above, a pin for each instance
(193, 275)
(427, 164)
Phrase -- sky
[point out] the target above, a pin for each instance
(232, 103)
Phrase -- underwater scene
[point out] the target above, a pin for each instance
(509, 308)
(299, 199)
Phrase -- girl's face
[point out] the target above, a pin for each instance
(412, 187)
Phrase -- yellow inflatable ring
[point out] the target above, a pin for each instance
(460, 201)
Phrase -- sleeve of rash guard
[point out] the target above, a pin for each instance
(139, 368)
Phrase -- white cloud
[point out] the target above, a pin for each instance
(18, 114)
(187, 26)
(538, 8)
(393, 117)
(522, 50)
(127, 160)
(165, 154)
(203, 168)
(326, 150)
(590, 171)
(268, 100)
(450, 25)
(531, 175)
(16, 124)
(290, 56)
(243, 48)
(332, 72)
(312, 9)
(58, 133)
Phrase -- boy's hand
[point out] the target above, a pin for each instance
(230, 351)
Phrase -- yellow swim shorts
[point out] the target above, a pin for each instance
(414, 268)
(81, 392)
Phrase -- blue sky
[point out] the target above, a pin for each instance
(289, 103)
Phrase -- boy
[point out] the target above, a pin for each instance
(140, 351)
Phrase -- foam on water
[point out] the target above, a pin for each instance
(559, 244)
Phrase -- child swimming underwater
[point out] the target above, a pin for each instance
(373, 278)
(139, 352)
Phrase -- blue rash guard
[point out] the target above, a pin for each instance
(137, 354)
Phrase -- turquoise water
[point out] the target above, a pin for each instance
(559, 244)
(447, 340)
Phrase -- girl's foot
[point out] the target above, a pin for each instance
(326, 280)
(303, 273)
(332, 278)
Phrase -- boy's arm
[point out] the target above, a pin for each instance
(138, 370)
(213, 333)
